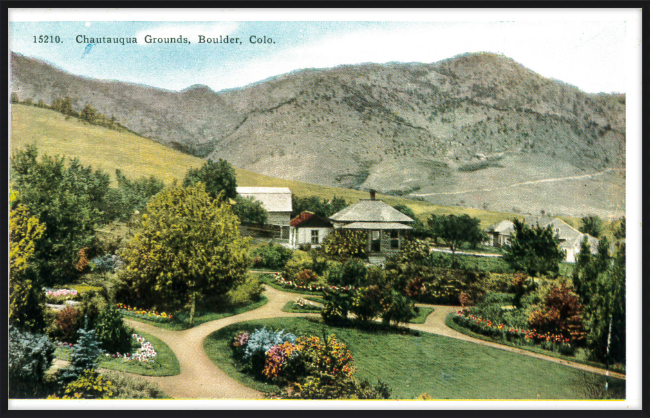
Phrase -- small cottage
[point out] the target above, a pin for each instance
(308, 229)
(276, 201)
(386, 227)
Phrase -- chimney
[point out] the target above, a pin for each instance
(372, 194)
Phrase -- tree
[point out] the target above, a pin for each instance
(535, 250)
(188, 246)
(250, 210)
(345, 244)
(113, 336)
(129, 196)
(589, 267)
(317, 206)
(14, 98)
(30, 356)
(26, 301)
(456, 230)
(88, 114)
(561, 314)
(68, 199)
(216, 177)
(84, 355)
(592, 225)
(419, 229)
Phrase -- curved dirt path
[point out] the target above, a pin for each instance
(200, 378)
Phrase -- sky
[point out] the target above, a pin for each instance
(586, 54)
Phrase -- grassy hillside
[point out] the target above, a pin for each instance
(136, 156)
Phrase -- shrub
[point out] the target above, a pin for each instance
(334, 273)
(345, 244)
(113, 336)
(66, 325)
(82, 264)
(129, 387)
(271, 257)
(306, 277)
(89, 385)
(277, 357)
(259, 342)
(248, 292)
(26, 306)
(336, 307)
(30, 356)
(106, 263)
(397, 308)
(561, 313)
(366, 303)
(319, 263)
(354, 273)
(91, 306)
(413, 251)
(299, 261)
(376, 277)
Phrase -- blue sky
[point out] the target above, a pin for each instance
(589, 55)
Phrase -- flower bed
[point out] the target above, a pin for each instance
(277, 277)
(145, 353)
(59, 296)
(552, 342)
(143, 313)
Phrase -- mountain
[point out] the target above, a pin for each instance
(474, 130)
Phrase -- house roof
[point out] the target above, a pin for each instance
(274, 199)
(375, 225)
(569, 236)
(370, 211)
(505, 227)
(309, 220)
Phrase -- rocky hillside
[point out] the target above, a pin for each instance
(469, 122)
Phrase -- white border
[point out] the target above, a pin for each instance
(633, 178)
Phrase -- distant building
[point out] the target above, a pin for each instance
(570, 238)
(276, 201)
(308, 229)
(386, 227)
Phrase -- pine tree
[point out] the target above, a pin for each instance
(84, 355)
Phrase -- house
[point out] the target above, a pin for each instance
(276, 201)
(308, 229)
(570, 238)
(386, 227)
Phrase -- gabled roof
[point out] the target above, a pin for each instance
(505, 227)
(309, 220)
(375, 225)
(370, 211)
(274, 199)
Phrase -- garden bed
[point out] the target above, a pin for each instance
(447, 368)
(423, 313)
(180, 321)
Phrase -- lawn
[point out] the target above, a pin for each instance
(292, 307)
(181, 321)
(165, 363)
(443, 367)
(423, 312)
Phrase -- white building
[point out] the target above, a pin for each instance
(308, 229)
(276, 201)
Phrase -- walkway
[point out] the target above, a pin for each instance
(201, 379)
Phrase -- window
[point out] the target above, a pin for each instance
(314, 236)
(394, 239)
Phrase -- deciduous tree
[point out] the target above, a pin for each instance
(535, 250)
(456, 230)
(217, 177)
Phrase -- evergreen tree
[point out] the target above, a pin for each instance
(84, 355)
(592, 225)
(30, 356)
(89, 114)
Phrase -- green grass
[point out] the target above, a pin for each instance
(268, 280)
(165, 362)
(180, 321)
(423, 312)
(136, 156)
(443, 367)
(579, 357)
(292, 307)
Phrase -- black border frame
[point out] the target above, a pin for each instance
(306, 4)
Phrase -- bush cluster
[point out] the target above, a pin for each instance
(271, 256)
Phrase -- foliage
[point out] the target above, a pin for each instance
(366, 303)
(26, 308)
(113, 336)
(68, 199)
(589, 267)
(84, 355)
(535, 250)
(188, 246)
(82, 263)
(250, 210)
(592, 225)
(250, 291)
(129, 387)
(271, 256)
(106, 263)
(306, 277)
(342, 243)
(561, 314)
(217, 177)
(320, 207)
(397, 308)
(419, 228)
(261, 341)
(130, 197)
(456, 230)
(89, 385)
(336, 307)
(66, 325)
(413, 251)
(353, 273)
(30, 356)
(299, 261)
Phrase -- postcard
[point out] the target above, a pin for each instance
(348, 209)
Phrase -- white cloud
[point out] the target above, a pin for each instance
(189, 31)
